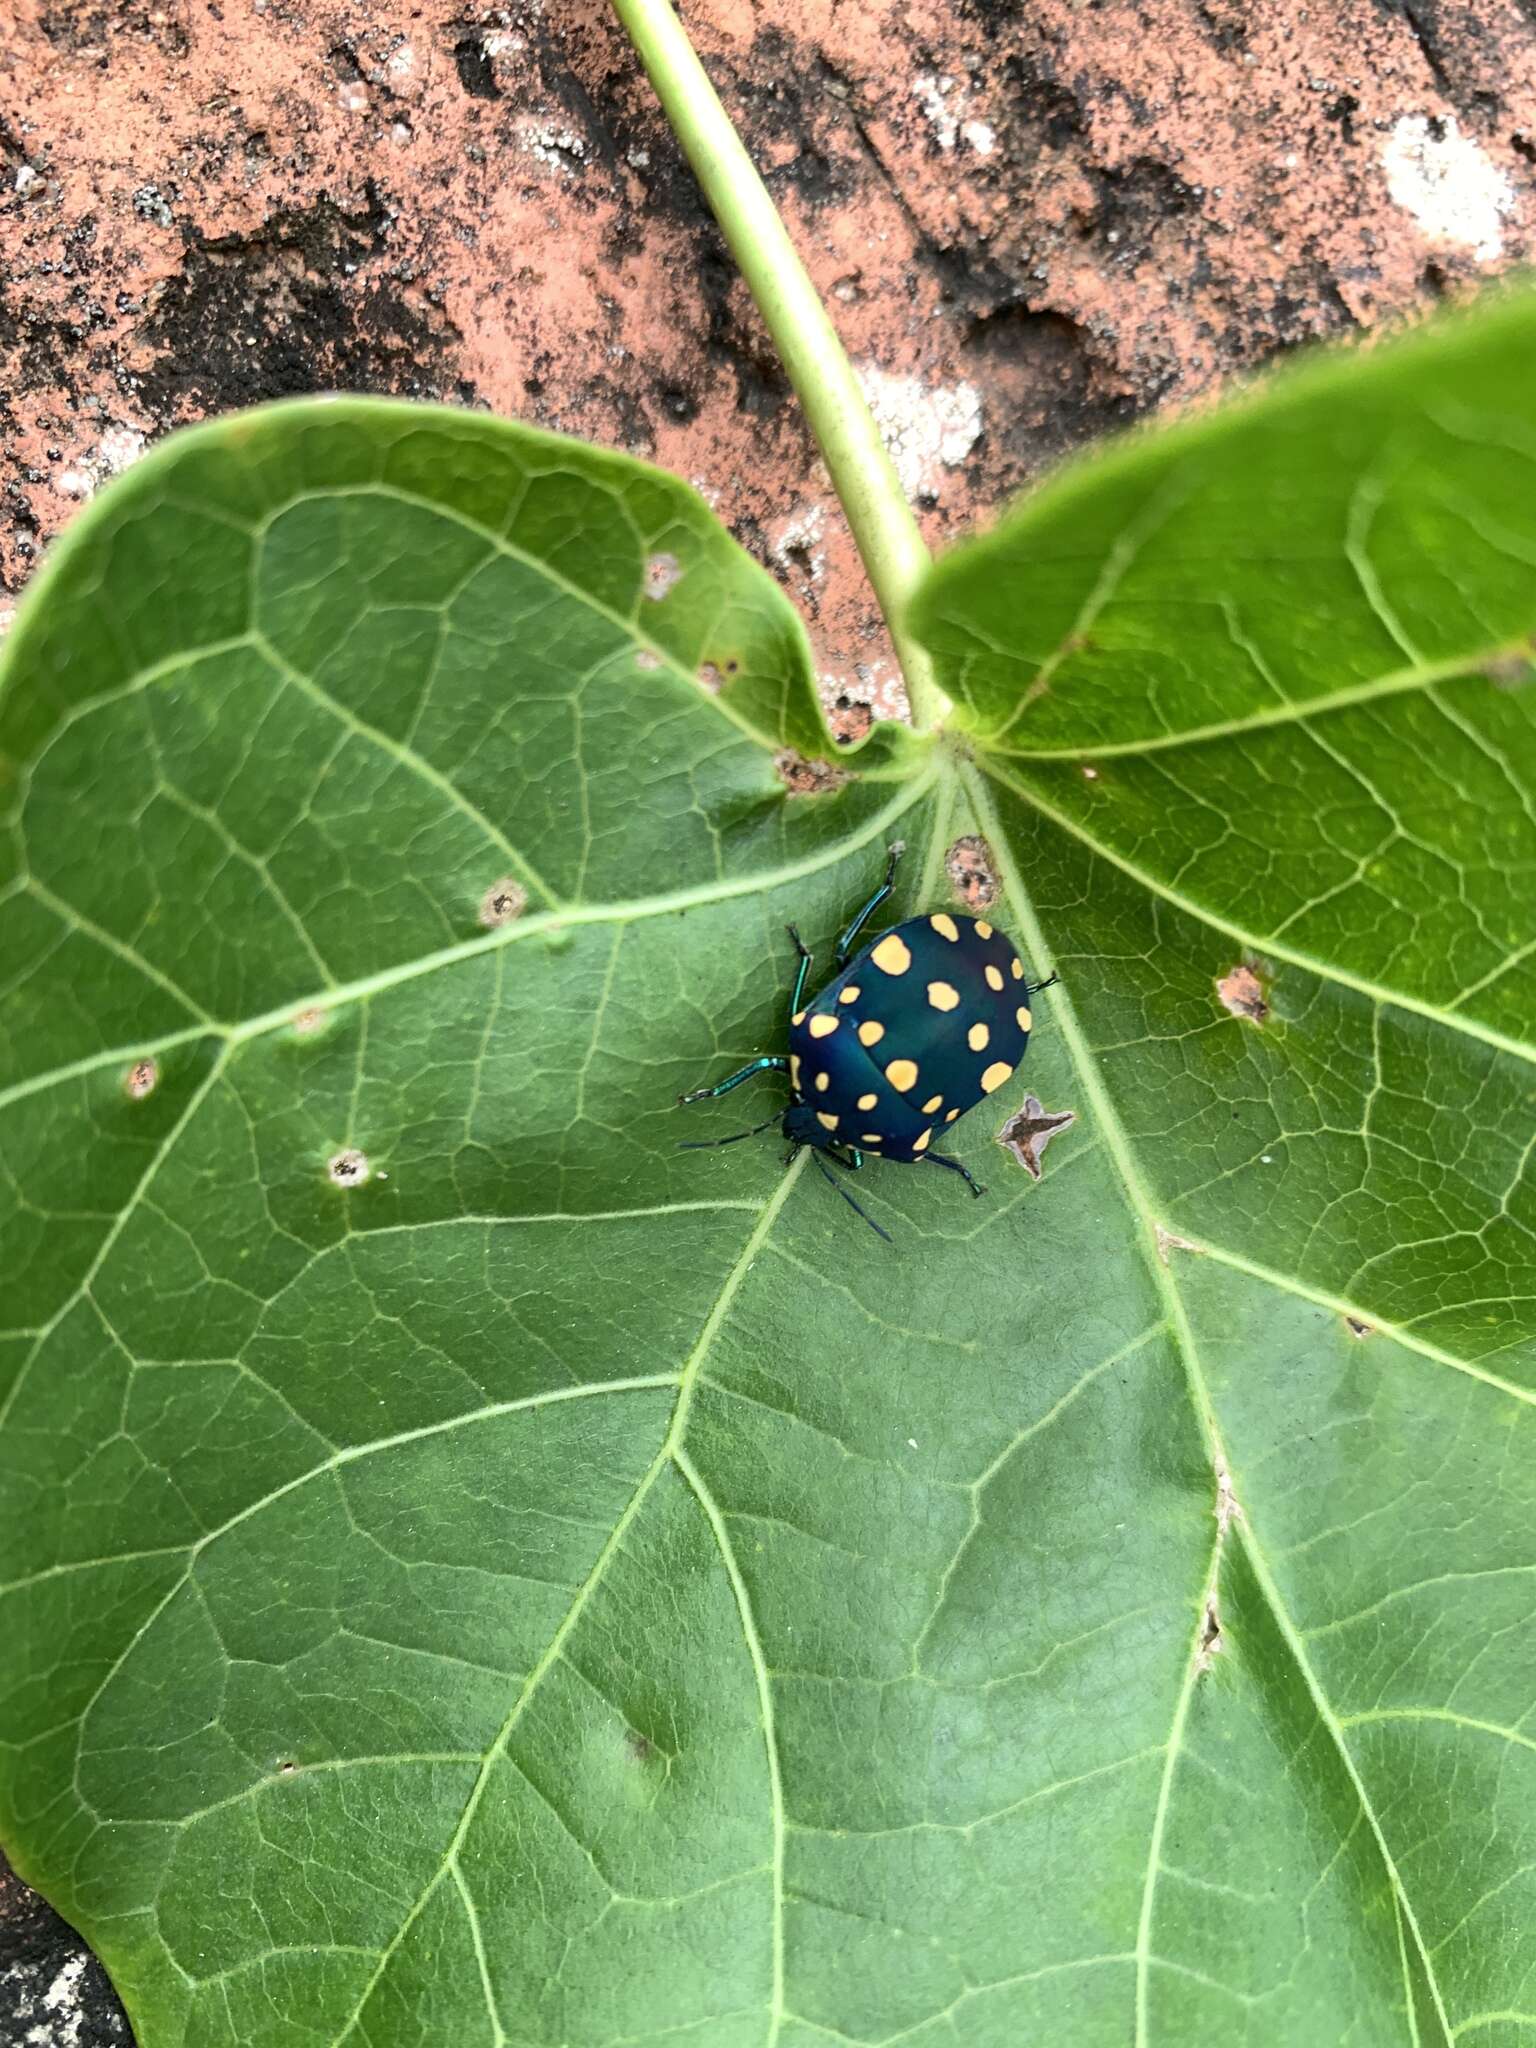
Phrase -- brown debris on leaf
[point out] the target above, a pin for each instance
(807, 778)
(1211, 1643)
(1242, 992)
(972, 872)
(1170, 1241)
(141, 1079)
(1027, 1134)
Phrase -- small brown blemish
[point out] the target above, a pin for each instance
(502, 902)
(640, 1747)
(1514, 668)
(307, 1022)
(1170, 1241)
(807, 778)
(141, 1079)
(972, 872)
(1211, 1643)
(850, 719)
(1027, 1134)
(647, 657)
(1357, 1328)
(1242, 992)
(710, 677)
(348, 1169)
(661, 573)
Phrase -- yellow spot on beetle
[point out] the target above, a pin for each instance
(868, 1101)
(850, 994)
(921, 1144)
(933, 1104)
(902, 1074)
(1025, 1020)
(945, 926)
(978, 1038)
(828, 1123)
(995, 1075)
(871, 1138)
(823, 1026)
(798, 1017)
(950, 1115)
(871, 1032)
(823, 1082)
(994, 976)
(891, 955)
(943, 995)
(1016, 969)
(794, 1071)
(983, 929)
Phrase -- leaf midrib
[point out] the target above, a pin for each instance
(1118, 1144)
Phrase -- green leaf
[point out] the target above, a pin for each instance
(556, 1589)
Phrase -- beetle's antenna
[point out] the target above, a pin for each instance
(874, 1226)
(705, 1144)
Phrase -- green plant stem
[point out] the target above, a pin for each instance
(889, 543)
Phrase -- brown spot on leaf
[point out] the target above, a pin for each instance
(972, 872)
(807, 778)
(1514, 668)
(1357, 1328)
(1027, 1134)
(348, 1169)
(850, 719)
(307, 1022)
(710, 677)
(1211, 1642)
(640, 1747)
(647, 657)
(661, 573)
(502, 902)
(1242, 992)
(141, 1079)
(1170, 1241)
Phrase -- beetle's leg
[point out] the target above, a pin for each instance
(874, 1226)
(1033, 988)
(805, 967)
(850, 1159)
(938, 1159)
(845, 943)
(770, 1063)
(704, 1144)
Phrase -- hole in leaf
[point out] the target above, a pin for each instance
(1027, 1134)
(850, 719)
(807, 778)
(661, 573)
(1242, 992)
(1357, 1328)
(348, 1169)
(502, 902)
(141, 1079)
(972, 872)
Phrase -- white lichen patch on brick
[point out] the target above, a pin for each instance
(1455, 193)
(946, 106)
(117, 450)
(927, 428)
